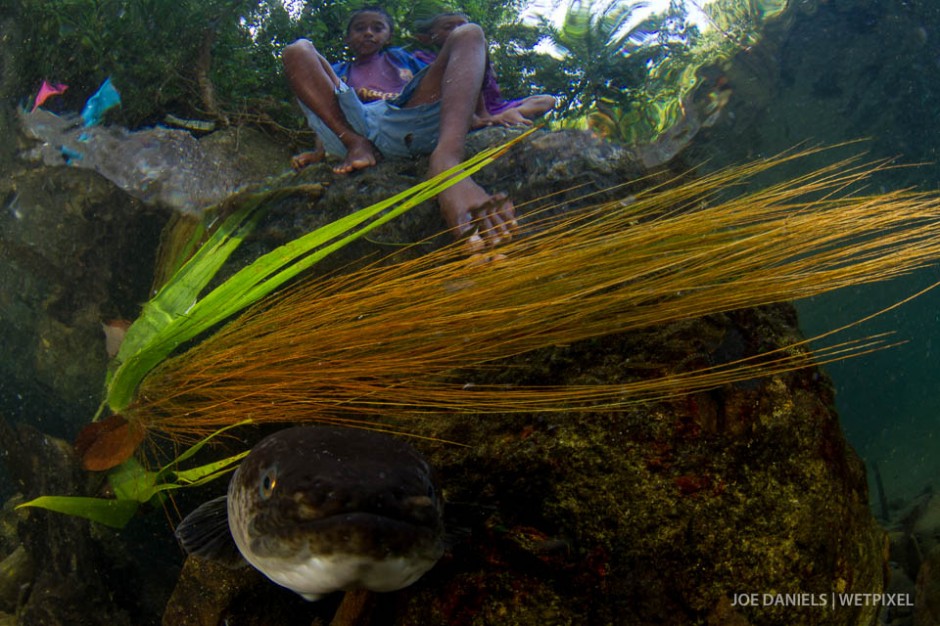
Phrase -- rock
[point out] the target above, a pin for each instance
(160, 166)
(16, 576)
(653, 513)
(205, 591)
(927, 603)
(68, 586)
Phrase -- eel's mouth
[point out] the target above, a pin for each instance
(360, 533)
(413, 508)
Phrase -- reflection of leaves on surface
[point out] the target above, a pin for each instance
(629, 74)
(595, 44)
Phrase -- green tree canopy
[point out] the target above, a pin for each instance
(220, 59)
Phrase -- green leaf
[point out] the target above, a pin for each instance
(113, 513)
(204, 473)
(133, 484)
(145, 345)
(131, 481)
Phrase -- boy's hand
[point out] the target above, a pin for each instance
(509, 117)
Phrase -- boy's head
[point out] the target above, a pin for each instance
(369, 30)
(435, 31)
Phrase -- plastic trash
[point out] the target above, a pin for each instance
(71, 155)
(105, 98)
(46, 91)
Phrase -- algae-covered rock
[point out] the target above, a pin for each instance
(660, 513)
(667, 512)
(657, 513)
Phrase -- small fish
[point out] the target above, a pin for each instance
(319, 509)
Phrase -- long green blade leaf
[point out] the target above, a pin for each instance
(113, 513)
(204, 473)
(175, 326)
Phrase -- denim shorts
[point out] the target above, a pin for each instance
(395, 130)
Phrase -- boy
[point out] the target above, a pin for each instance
(494, 109)
(432, 115)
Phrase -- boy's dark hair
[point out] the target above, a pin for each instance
(423, 26)
(371, 9)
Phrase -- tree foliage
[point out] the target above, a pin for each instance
(160, 55)
(164, 56)
(220, 59)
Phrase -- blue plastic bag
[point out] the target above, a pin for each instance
(105, 98)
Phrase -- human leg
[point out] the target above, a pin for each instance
(315, 84)
(455, 79)
(302, 160)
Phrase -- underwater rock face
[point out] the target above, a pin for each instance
(661, 513)
(657, 513)
(74, 251)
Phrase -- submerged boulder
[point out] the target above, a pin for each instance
(665, 512)
(669, 512)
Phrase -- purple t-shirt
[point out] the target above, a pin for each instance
(380, 77)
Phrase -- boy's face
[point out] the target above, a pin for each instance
(368, 34)
(441, 28)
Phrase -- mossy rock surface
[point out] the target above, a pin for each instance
(657, 513)
(661, 513)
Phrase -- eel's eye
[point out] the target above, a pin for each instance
(268, 483)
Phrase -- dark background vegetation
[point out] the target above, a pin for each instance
(219, 59)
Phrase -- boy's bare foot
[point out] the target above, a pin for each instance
(360, 154)
(302, 160)
(484, 220)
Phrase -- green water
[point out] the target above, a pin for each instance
(815, 72)
(845, 71)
